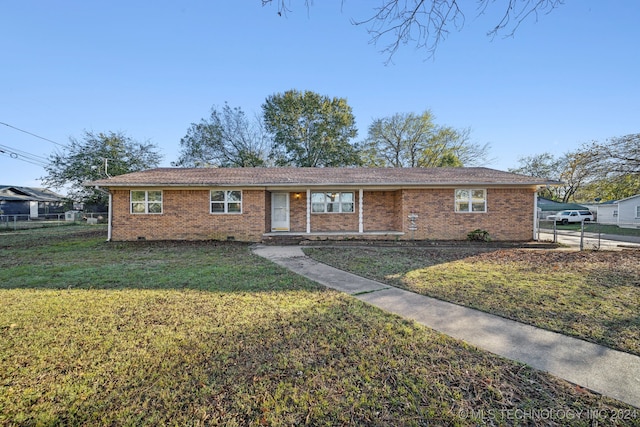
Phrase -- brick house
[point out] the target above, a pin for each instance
(254, 204)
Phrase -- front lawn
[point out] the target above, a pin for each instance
(202, 333)
(590, 295)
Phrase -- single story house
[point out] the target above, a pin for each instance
(34, 202)
(629, 212)
(256, 204)
(606, 212)
(623, 213)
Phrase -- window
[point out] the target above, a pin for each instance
(332, 202)
(146, 202)
(471, 200)
(637, 211)
(226, 201)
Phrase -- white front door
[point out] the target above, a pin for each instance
(279, 211)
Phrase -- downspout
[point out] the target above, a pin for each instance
(110, 213)
(109, 217)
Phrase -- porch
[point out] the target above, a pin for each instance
(293, 237)
(338, 213)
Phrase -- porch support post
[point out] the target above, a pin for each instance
(535, 216)
(360, 212)
(308, 210)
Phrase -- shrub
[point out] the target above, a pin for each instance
(478, 235)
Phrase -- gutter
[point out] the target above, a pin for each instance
(110, 213)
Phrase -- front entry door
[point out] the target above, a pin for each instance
(279, 211)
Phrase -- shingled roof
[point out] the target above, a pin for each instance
(283, 177)
(23, 194)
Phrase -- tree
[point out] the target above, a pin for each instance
(573, 169)
(617, 156)
(227, 139)
(310, 130)
(412, 140)
(615, 188)
(427, 22)
(97, 156)
(615, 164)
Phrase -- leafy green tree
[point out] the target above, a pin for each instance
(614, 188)
(97, 156)
(310, 130)
(227, 139)
(414, 140)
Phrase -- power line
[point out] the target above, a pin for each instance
(33, 134)
(23, 155)
(17, 157)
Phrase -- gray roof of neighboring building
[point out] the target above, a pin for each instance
(16, 193)
(553, 206)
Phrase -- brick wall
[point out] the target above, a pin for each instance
(382, 210)
(509, 215)
(186, 217)
(298, 212)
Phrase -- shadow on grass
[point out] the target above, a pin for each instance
(82, 259)
(166, 357)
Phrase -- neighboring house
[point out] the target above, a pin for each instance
(606, 212)
(254, 204)
(623, 212)
(30, 201)
(629, 212)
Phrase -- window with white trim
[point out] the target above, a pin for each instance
(471, 200)
(332, 202)
(638, 211)
(226, 201)
(146, 202)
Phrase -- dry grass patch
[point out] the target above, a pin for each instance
(590, 295)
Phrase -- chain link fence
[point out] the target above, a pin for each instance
(586, 234)
(24, 222)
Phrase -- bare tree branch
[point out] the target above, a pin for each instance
(427, 22)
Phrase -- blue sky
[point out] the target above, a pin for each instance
(150, 69)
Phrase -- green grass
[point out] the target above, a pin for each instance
(590, 295)
(203, 333)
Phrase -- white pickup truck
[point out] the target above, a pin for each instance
(565, 217)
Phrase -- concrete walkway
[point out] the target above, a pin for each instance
(612, 373)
